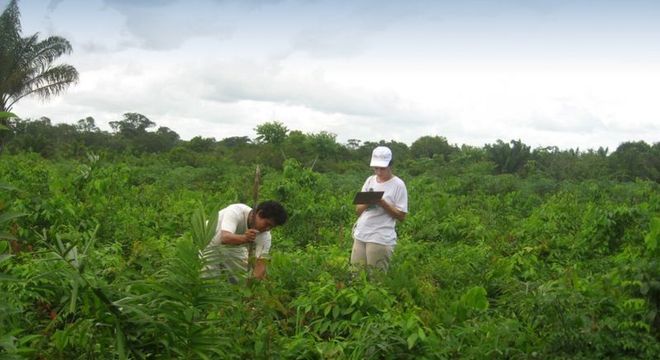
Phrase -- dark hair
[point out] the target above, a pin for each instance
(272, 210)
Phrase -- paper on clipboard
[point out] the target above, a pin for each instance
(368, 197)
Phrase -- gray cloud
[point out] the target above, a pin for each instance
(168, 31)
(139, 3)
(167, 24)
(251, 81)
(215, 93)
(346, 33)
(326, 43)
(227, 87)
(569, 118)
(52, 5)
(93, 47)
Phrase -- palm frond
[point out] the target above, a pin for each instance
(48, 83)
(5, 217)
(46, 51)
(175, 311)
(203, 228)
(26, 63)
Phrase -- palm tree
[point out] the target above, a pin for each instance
(26, 64)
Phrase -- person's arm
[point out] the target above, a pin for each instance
(360, 208)
(259, 271)
(392, 210)
(230, 238)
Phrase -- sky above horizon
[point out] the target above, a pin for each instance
(572, 74)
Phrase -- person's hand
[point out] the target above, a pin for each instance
(250, 235)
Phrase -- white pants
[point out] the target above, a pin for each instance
(371, 254)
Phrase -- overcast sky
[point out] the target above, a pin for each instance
(551, 73)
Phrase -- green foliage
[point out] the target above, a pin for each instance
(203, 228)
(271, 133)
(315, 215)
(547, 260)
(636, 160)
(132, 125)
(178, 313)
(508, 158)
(653, 236)
(133, 128)
(431, 146)
(3, 116)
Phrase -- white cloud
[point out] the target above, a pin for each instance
(367, 70)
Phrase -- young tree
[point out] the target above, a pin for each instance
(353, 144)
(132, 125)
(635, 159)
(26, 64)
(201, 144)
(235, 141)
(87, 125)
(271, 132)
(508, 159)
(430, 146)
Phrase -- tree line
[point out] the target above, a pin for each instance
(27, 68)
(136, 134)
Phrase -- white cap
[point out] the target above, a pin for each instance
(381, 157)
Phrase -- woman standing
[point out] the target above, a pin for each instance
(374, 234)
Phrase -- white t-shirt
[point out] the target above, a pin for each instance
(234, 218)
(375, 224)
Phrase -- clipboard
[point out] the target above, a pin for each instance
(367, 197)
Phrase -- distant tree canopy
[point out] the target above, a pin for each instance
(26, 63)
(87, 124)
(132, 125)
(134, 134)
(508, 157)
(201, 144)
(235, 141)
(271, 132)
(431, 146)
(633, 160)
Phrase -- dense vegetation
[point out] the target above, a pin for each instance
(508, 252)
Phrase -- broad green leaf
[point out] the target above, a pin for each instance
(5, 217)
(120, 342)
(651, 239)
(421, 334)
(5, 277)
(5, 115)
(8, 342)
(412, 340)
(475, 298)
(74, 297)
